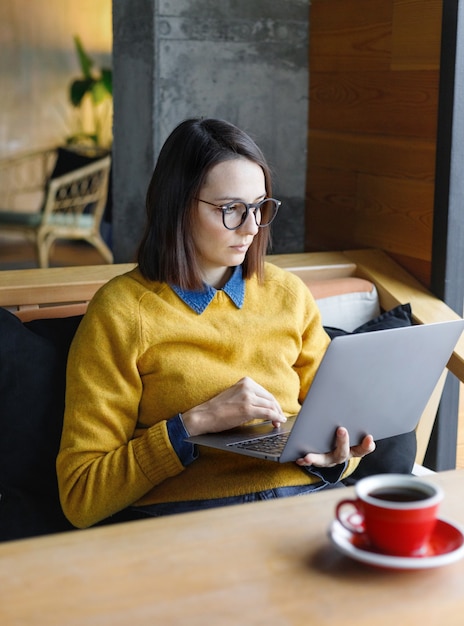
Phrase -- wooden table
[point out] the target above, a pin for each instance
(265, 563)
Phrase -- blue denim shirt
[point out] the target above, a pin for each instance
(199, 300)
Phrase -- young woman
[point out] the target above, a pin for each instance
(201, 337)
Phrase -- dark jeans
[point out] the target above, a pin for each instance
(171, 508)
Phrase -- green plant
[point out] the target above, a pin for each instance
(94, 89)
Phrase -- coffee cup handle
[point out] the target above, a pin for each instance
(352, 521)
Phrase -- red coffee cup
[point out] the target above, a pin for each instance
(396, 512)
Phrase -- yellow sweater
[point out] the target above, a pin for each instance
(141, 355)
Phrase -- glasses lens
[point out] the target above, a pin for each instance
(233, 215)
(267, 212)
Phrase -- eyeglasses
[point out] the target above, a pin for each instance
(234, 214)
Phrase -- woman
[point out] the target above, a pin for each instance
(201, 337)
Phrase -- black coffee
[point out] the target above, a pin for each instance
(399, 494)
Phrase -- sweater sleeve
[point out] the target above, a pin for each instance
(106, 462)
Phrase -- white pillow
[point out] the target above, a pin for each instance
(349, 310)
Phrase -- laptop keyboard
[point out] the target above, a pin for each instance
(271, 444)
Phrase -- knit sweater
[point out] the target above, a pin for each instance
(141, 355)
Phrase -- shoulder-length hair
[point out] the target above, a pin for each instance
(167, 252)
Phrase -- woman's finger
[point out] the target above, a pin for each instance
(341, 453)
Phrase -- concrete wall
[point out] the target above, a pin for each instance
(243, 61)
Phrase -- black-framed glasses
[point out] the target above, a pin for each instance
(235, 213)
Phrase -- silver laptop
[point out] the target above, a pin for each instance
(374, 383)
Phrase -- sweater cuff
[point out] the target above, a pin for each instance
(187, 452)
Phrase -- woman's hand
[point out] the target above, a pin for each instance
(241, 403)
(341, 453)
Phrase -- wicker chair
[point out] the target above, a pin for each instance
(72, 208)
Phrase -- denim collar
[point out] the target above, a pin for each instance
(199, 300)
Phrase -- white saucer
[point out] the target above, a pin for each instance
(445, 546)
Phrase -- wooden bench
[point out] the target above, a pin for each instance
(60, 292)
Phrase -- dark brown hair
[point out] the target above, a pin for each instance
(167, 252)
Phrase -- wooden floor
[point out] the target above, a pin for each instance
(15, 253)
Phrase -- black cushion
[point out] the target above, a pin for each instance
(32, 383)
(70, 160)
(395, 318)
(392, 454)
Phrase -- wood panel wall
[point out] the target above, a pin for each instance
(374, 77)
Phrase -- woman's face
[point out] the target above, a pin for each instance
(219, 249)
